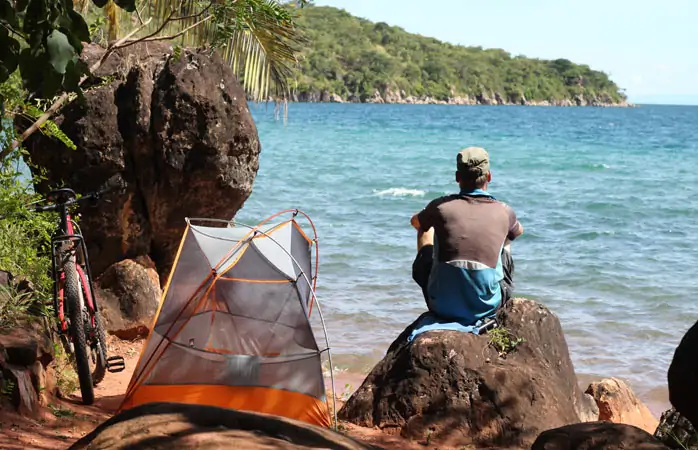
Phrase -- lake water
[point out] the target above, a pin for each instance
(608, 199)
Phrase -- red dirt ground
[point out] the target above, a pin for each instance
(66, 421)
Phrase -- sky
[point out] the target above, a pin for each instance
(647, 47)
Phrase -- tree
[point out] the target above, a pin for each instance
(374, 56)
(42, 39)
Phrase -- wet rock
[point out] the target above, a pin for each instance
(683, 376)
(165, 426)
(176, 130)
(454, 389)
(597, 436)
(618, 404)
(676, 432)
(128, 294)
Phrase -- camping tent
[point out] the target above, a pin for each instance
(233, 328)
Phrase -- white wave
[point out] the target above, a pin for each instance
(399, 192)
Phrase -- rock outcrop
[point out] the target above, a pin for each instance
(166, 426)
(25, 377)
(618, 404)
(597, 436)
(683, 376)
(454, 389)
(26, 350)
(391, 95)
(128, 294)
(176, 129)
(676, 432)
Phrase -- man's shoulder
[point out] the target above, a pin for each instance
(438, 201)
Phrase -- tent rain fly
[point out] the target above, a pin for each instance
(233, 328)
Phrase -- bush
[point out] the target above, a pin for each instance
(24, 235)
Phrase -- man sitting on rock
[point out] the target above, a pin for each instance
(466, 271)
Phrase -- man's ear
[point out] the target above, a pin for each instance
(457, 177)
(489, 177)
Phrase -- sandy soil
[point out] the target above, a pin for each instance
(65, 421)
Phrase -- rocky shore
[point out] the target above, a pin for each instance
(395, 96)
(514, 387)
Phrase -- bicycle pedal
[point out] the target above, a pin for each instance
(115, 364)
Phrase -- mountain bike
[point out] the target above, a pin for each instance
(80, 324)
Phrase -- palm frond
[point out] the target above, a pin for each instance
(81, 6)
(257, 38)
(112, 15)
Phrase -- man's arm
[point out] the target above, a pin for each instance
(515, 227)
(415, 222)
(424, 219)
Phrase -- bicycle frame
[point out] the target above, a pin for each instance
(61, 245)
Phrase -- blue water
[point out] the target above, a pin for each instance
(608, 199)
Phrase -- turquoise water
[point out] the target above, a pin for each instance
(608, 199)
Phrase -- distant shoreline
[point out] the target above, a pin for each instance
(398, 98)
(534, 104)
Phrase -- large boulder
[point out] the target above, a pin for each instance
(597, 436)
(455, 389)
(166, 426)
(128, 294)
(176, 128)
(618, 404)
(683, 376)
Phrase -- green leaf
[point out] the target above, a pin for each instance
(60, 51)
(79, 26)
(51, 83)
(50, 128)
(74, 71)
(9, 56)
(21, 5)
(31, 67)
(7, 13)
(126, 5)
(100, 3)
(37, 14)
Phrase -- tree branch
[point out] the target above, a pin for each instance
(59, 102)
(152, 38)
(124, 42)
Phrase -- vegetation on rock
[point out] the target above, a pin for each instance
(503, 341)
(355, 58)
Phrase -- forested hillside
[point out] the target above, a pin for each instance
(352, 59)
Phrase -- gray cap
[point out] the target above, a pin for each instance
(473, 162)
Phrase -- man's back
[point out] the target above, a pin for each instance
(465, 265)
(471, 230)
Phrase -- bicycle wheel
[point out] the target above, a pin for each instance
(101, 350)
(77, 331)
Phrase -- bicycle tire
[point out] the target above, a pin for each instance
(101, 368)
(77, 331)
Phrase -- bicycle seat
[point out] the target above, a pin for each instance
(61, 195)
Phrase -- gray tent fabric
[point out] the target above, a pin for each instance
(235, 314)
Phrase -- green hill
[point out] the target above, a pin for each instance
(352, 59)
